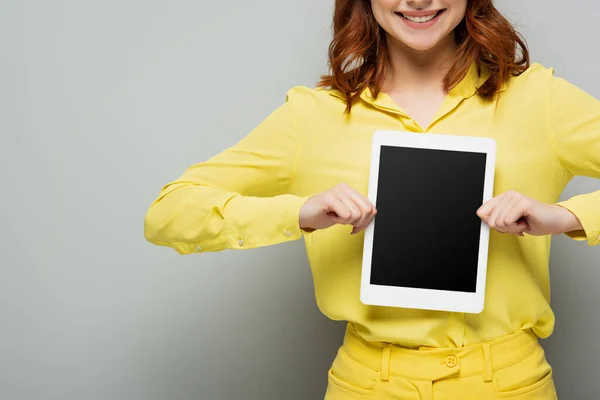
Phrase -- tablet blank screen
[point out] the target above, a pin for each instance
(427, 233)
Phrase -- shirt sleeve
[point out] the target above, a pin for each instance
(574, 117)
(238, 199)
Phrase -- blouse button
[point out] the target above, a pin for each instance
(451, 361)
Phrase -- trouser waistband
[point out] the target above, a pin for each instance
(434, 364)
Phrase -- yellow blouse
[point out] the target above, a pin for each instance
(546, 130)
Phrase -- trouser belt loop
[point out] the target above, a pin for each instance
(384, 371)
(487, 361)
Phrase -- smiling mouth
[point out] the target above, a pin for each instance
(421, 19)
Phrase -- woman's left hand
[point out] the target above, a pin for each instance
(516, 214)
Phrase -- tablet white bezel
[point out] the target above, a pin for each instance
(416, 298)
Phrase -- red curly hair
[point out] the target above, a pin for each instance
(358, 56)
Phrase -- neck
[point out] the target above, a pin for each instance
(418, 70)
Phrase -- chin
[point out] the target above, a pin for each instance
(420, 45)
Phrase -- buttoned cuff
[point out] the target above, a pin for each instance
(258, 221)
(587, 209)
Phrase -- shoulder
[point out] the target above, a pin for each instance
(303, 98)
(539, 80)
(536, 78)
(538, 83)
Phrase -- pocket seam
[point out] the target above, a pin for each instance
(347, 386)
(356, 360)
(525, 357)
(526, 390)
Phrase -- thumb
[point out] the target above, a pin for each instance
(523, 225)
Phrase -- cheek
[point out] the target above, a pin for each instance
(457, 3)
(381, 11)
(460, 8)
(383, 7)
(458, 19)
(385, 4)
(458, 12)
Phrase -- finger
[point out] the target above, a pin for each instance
(337, 210)
(369, 218)
(493, 219)
(365, 221)
(355, 212)
(509, 214)
(364, 204)
(361, 201)
(486, 209)
(522, 227)
(514, 216)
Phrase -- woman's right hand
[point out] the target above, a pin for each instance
(338, 205)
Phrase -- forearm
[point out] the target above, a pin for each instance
(195, 218)
(570, 222)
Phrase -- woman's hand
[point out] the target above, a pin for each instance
(514, 213)
(339, 205)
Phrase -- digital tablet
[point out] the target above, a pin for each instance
(427, 248)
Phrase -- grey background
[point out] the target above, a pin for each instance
(101, 103)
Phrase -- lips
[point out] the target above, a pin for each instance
(420, 17)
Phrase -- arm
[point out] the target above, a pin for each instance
(574, 128)
(574, 119)
(238, 199)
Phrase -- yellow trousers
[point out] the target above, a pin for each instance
(513, 368)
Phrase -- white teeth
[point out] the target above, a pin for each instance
(420, 19)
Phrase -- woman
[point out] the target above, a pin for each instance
(427, 66)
